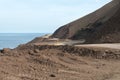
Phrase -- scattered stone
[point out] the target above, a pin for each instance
(31, 52)
(52, 75)
(36, 51)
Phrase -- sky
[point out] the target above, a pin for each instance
(43, 16)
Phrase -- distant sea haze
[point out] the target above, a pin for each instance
(12, 40)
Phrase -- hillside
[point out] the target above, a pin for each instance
(63, 57)
(101, 26)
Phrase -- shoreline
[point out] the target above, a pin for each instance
(38, 61)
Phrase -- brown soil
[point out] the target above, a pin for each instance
(43, 62)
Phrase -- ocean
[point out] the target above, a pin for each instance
(12, 40)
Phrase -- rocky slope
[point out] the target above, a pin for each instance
(101, 26)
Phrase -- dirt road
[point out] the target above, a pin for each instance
(111, 46)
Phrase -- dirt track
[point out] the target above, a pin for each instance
(112, 46)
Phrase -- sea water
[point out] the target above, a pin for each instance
(12, 40)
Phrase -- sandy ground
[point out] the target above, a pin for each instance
(56, 41)
(112, 46)
(73, 43)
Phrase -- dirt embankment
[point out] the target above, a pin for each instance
(98, 53)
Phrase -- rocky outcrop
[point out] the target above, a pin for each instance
(101, 26)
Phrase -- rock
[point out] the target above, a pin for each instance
(6, 50)
(52, 75)
(36, 50)
(31, 52)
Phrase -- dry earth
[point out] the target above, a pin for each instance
(111, 46)
(47, 62)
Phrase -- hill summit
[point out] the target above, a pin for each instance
(101, 26)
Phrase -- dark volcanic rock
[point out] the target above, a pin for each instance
(101, 26)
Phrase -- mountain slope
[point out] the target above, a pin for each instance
(97, 27)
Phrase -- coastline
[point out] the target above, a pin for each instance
(12, 40)
(33, 61)
(56, 62)
(85, 49)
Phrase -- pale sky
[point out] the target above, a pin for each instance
(42, 16)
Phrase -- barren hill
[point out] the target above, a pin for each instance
(101, 26)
